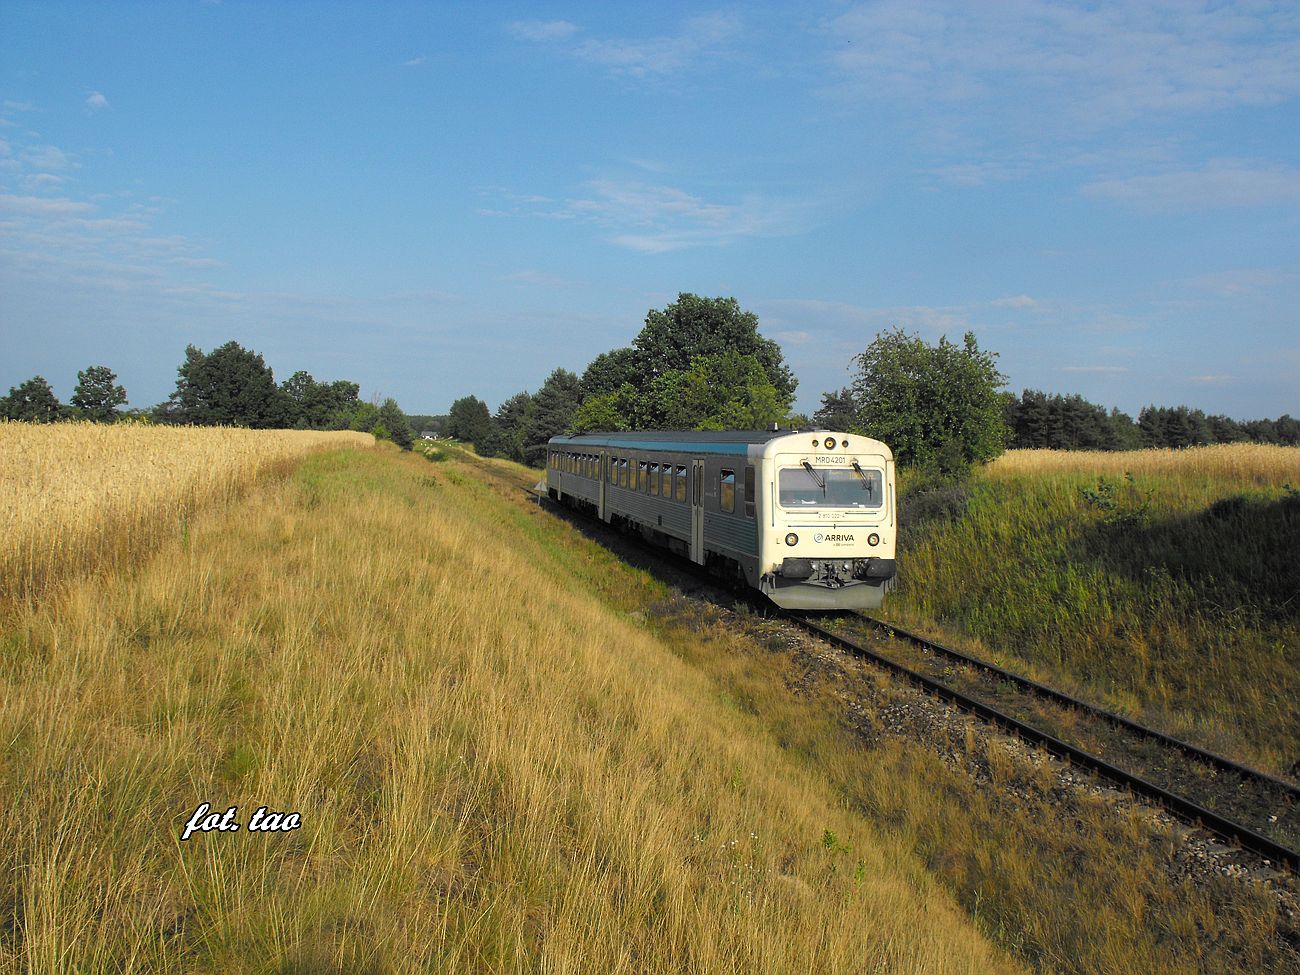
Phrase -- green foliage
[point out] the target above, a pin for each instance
(610, 371)
(469, 420)
(553, 411)
(693, 326)
(1168, 597)
(936, 406)
(610, 412)
(1037, 419)
(319, 406)
(723, 391)
(838, 411)
(1130, 509)
(32, 401)
(396, 424)
(97, 395)
(698, 364)
(510, 421)
(230, 386)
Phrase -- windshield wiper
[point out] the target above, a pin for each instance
(865, 480)
(821, 481)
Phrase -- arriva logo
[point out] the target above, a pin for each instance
(819, 537)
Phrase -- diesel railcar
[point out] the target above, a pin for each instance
(808, 518)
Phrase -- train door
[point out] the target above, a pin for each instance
(697, 511)
(602, 477)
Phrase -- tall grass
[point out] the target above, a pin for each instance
(495, 770)
(77, 496)
(1165, 583)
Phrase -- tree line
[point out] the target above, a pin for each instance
(698, 364)
(229, 386)
(1038, 419)
(701, 364)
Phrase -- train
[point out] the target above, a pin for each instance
(807, 517)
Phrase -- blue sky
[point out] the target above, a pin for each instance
(443, 199)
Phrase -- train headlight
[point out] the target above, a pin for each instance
(873, 539)
(830, 443)
(792, 539)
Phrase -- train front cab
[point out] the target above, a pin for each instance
(831, 520)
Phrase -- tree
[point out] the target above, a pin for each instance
(33, 401)
(469, 420)
(609, 371)
(319, 406)
(398, 425)
(718, 392)
(697, 364)
(609, 413)
(510, 421)
(936, 406)
(554, 410)
(97, 395)
(838, 411)
(694, 326)
(230, 386)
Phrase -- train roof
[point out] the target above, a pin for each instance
(693, 441)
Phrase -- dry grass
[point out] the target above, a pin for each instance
(78, 496)
(1257, 465)
(495, 770)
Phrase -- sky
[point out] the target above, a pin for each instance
(437, 200)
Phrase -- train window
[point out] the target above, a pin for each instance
(727, 491)
(667, 490)
(749, 491)
(623, 466)
(681, 483)
(654, 479)
(613, 470)
(640, 475)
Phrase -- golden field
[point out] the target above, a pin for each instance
(1243, 464)
(77, 495)
(496, 770)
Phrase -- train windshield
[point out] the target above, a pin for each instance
(831, 487)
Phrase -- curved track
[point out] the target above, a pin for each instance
(1184, 808)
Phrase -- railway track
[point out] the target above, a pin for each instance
(1284, 794)
(1274, 792)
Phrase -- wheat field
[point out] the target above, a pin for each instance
(77, 496)
(1243, 464)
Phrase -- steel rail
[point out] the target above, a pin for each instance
(1184, 808)
(1269, 849)
(1202, 755)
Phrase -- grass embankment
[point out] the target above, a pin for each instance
(496, 769)
(1056, 875)
(80, 496)
(1163, 583)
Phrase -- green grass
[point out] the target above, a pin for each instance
(1174, 595)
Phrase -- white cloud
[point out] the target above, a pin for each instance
(96, 101)
(1103, 370)
(1220, 183)
(796, 337)
(414, 62)
(542, 30)
(1243, 281)
(43, 205)
(700, 40)
(654, 218)
(1015, 301)
(1215, 380)
(1105, 63)
(46, 157)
